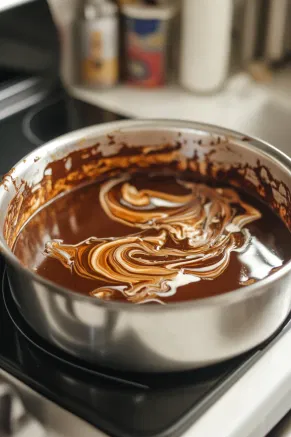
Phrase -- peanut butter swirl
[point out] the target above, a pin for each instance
(179, 239)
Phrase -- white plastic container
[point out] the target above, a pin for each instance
(64, 13)
(205, 44)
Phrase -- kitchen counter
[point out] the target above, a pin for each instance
(255, 109)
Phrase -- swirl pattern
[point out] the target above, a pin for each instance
(180, 238)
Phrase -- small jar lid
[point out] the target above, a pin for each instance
(99, 8)
(149, 12)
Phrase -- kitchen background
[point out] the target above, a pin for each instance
(225, 62)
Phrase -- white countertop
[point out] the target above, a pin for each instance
(238, 106)
(240, 97)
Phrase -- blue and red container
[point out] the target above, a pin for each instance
(146, 44)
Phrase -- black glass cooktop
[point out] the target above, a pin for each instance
(54, 116)
(9, 77)
(118, 403)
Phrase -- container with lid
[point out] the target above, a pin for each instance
(146, 44)
(205, 44)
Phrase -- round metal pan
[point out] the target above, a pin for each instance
(154, 338)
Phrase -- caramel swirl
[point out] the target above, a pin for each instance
(182, 238)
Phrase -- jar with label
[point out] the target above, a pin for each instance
(99, 44)
(146, 44)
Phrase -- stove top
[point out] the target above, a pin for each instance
(117, 403)
(8, 77)
(55, 115)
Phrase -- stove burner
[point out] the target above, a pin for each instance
(140, 380)
(34, 120)
(60, 115)
(120, 404)
(34, 339)
(149, 405)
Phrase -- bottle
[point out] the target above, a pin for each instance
(205, 44)
(99, 44)
(64, 14)
(276, 30)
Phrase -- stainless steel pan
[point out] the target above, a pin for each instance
(155, 338)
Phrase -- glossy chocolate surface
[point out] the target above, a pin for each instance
(153, 238)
